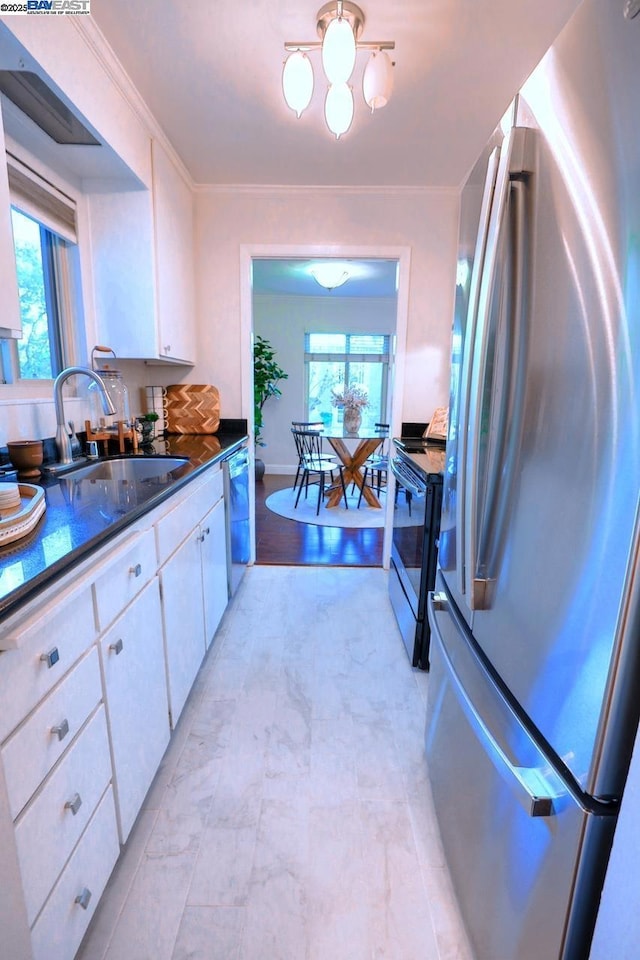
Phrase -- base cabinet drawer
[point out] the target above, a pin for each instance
(36, 746)
(59, 930)
(124, 576)
(173, 526)
(51, 825)
(50, 641)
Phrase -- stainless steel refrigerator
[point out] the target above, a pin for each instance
(534, 690)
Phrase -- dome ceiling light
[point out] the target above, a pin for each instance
(339, 26)
(329, 274)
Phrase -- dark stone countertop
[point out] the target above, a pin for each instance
(83, 515)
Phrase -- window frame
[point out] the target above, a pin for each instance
(63, 258)
(348, 358)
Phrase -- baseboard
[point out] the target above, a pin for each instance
(285, 470)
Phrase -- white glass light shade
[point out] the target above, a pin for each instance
(338, 108)
(377, 82)
(338, 51)
(297, 81)
(329, 275)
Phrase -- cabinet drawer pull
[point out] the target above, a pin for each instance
(137, 570)
(74, 804)
(51, 657)
(83, 898)
(117, 646)
(61, 729)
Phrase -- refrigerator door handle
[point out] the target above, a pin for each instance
(536, 787)
(510, 413)
(468, 348)
(514, 147)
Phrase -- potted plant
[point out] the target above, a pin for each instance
(267, 374)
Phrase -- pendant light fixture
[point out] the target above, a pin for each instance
(339, 25)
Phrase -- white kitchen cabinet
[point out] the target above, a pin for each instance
(214, 569)
(136, 697)
(183, 618)
(89, 670)
(59, 929)
(143, 265)
(52, 823)
(193, 583)
(174, 258)
(121, 224)
(36, 746)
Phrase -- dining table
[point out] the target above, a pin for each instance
(367, 441)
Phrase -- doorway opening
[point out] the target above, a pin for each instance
(287, 304)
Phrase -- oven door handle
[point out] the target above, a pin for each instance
(415, 489)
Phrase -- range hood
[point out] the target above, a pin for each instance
(31, 95)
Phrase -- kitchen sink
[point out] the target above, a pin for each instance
(131, 469)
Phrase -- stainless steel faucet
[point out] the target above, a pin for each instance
(63, 441)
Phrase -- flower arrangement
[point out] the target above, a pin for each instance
(351, 396)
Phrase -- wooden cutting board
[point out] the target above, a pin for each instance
(193, 408)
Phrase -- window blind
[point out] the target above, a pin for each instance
(38, 198)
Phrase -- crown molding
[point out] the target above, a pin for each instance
(380, 192)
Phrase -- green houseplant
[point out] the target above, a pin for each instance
(267, 374)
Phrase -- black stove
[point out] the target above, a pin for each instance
(418, 467)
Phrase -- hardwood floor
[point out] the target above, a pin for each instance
(281, 541)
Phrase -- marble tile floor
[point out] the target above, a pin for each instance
(291, 817)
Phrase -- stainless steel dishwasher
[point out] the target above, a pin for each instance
(235, 471)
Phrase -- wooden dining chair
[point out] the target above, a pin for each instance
(315, 466)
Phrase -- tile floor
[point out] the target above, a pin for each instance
(291, 818)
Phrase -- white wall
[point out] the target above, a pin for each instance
(284, 322)
(424, 220)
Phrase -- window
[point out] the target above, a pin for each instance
(336, 360)
(43, 221)
(40, 350)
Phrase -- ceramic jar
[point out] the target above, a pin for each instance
(26, 456)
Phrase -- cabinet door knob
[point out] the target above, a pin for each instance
(167, 348)
(136, 571)
(61, 729)
(51, 657)
(74, 804)
(83, 898)
(117, 646)
(206, 531)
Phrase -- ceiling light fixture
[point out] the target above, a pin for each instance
(339, 26)
(329, 275)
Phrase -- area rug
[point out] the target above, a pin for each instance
(282, 502)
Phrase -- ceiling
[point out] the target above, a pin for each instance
(210, 72)
(373, 279)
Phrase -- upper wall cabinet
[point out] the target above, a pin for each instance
(174, 253)
(142, 258)
(123, 269)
